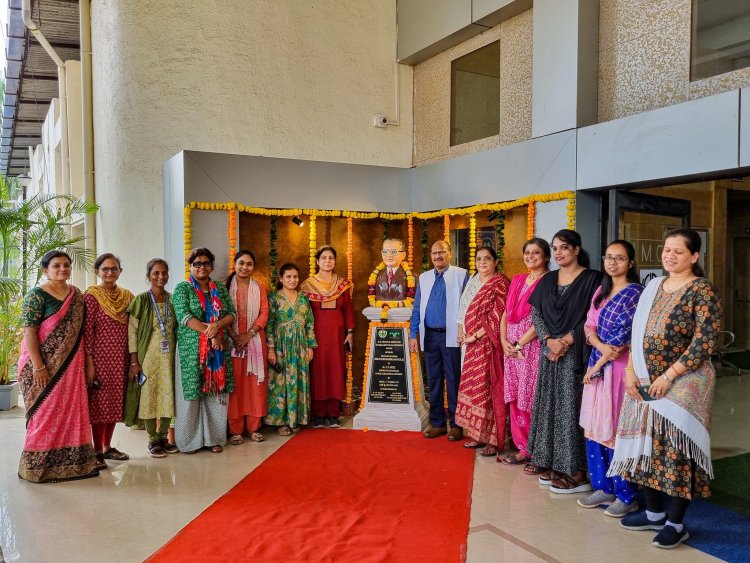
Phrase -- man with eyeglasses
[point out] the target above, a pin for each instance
(390, 285)
(434, 318)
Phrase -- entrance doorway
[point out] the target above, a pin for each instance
(644, 220)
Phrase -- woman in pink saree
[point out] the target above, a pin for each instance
(51, 376)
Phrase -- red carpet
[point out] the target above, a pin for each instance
(340, 495)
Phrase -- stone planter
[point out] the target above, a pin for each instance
(9, 396)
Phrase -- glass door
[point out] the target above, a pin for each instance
(644, 220)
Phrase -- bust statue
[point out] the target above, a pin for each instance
(390, 283)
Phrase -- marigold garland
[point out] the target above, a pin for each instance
(367, 365)
(472, 243)
(350, 251)
(446, 227)
(498, 206)
(350, 277)
(410, 289)
(415, 376)
(232, 215)
(272, 256)
(187, 236)
(571, 211)
(313, 243)
(410, 248)
(530, 221)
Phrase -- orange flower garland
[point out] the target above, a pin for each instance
(188, 231)
(571, 211)
(367, 365)
(410, 248)
(313, 244)
(232, 237)
(472, 244)
(415, 377)
(350, 277)
(446, 227)
(531, 221)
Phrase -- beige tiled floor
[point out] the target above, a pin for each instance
(131, 510)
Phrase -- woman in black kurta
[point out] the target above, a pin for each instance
(559, 306)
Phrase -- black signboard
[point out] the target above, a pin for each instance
(388, 377)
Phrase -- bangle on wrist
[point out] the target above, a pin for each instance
(665, 376)
(135, 364)
(41, 368)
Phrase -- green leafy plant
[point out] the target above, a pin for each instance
(29, 228)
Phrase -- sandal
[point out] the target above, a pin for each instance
(532, 470)
(216, 449)
(155, 449)
(257, 437)
(236, 440)
(100, 463)
(488, 451)
(295, 429)
(284, 431)
(513, 460)
(117, 455)
(565, 484)
(169, 448)
(473, 444)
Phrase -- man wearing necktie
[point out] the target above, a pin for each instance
(434, 321)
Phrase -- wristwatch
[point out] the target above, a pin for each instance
(517, 345)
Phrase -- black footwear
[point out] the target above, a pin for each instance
(333, 422)
(155, 449)
(319, 422)
(640, 521)
(669, 537)
(100, 463)
(169, 448)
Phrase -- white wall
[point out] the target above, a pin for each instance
(276, 78)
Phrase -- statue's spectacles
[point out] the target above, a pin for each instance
(390, 252)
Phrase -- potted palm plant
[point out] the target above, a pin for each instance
(28, 229)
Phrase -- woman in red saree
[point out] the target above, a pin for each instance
(481, 405)
(51, 375)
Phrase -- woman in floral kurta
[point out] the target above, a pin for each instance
(291, 339)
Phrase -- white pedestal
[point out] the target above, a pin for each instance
(411, 415)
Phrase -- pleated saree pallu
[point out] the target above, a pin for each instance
(58, 433)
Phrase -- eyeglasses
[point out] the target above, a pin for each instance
(108, 270)
(390, 252)
(198, 265)
(618, 259)
(439, 253)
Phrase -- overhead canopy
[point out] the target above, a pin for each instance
(31, 76)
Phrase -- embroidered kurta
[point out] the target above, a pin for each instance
(157, 393)
(290, 330)
(107, 342)
(333, 316)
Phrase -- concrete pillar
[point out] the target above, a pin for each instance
(566, 60)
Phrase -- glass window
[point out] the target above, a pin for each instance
(721, 37)
(475, 95)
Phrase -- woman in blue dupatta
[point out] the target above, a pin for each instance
(608, 328)
(663, 443)
(204, 376)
